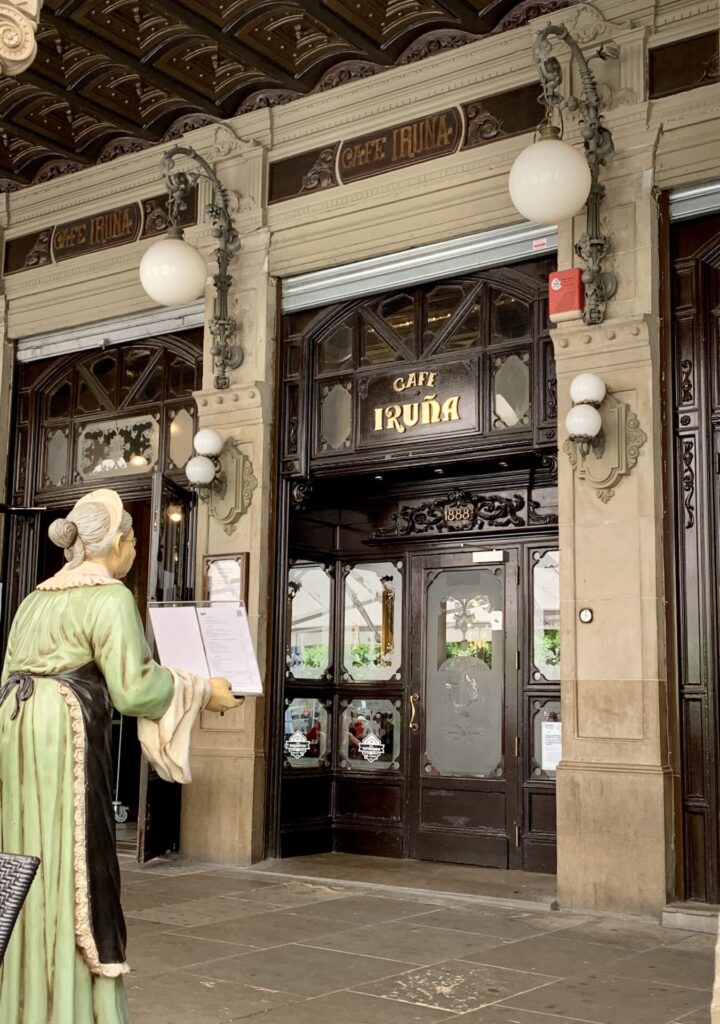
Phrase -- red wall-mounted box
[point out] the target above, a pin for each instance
(566, 295)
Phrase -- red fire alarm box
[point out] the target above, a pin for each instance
(566, 295)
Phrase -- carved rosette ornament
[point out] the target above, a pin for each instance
(18, 23)
(623, 439)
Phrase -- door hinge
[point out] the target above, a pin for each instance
(517, 835)
(517, 746)
(517, 575)
(517, 661)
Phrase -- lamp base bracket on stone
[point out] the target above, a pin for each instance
(231, 492)
(623, 437)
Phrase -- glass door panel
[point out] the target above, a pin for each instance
(465, 692)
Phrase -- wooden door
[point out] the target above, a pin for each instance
(463, 710)
(694, 362)
(170, 578)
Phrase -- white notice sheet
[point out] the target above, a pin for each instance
(551, 745)
(178, 639)
(228, 646)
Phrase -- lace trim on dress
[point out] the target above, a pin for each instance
(89, 574)
(83, 929)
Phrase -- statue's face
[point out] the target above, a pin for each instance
(120, 562)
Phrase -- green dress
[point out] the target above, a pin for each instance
(50, 974)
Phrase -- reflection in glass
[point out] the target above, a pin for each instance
(511, 318)
(135, 362)
(87, 400)
(370, 735)
(511, 387)
(546, 736)
(465, 673)
(546, 615)
(336, 417)
(59, 400)
(182, 429)
(335, 351)
(103, 370)
(56, 458)
(467, 332)
(118, 446)
(306, 733)
(399, 314)
(181, 378)
(373, 621)
(441, 303)
(375, 350)
(308, 645)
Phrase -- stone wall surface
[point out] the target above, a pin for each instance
(615, 813)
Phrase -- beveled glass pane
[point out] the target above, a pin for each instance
(306, 733)
(335, 352)
(546, 732)
(104, 370)
(182, 431)
(151, 391)
(511, 390)
(113, 447)
(374, 349)
(309, 602)
(465, 673)
(56, 458)
(399, 314)
(440, 304)
(59, 400)
(546, 615)
(511, 318)
(467, 332)
(373, 621)
(335, 416)
(135, 361)
(181, 378)
(370, 735)
(87, 400)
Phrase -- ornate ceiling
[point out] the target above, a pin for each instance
(115, 76)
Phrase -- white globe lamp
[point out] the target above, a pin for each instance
(550, 180)
(173, 272)
(208, 442)
(200, 471)
(588, 389)
(583, 423)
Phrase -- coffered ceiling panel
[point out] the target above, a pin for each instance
(115, 76)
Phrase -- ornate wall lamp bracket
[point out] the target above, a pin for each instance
(593, 246)
(173, 273)
(551, 181)
(221, 475)
(615, 449)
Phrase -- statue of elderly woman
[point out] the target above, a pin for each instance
(76, 648)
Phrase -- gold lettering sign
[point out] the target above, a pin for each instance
(421, 139)
(100, 231)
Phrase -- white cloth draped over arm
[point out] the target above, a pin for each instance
(165, 742)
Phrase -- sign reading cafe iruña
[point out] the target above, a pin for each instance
(385, 150)
(418, 403)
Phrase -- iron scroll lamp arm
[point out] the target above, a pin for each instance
(179, 184)
(593, 246)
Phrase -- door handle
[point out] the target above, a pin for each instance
(414, 698)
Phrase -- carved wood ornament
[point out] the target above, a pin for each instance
(90, 80)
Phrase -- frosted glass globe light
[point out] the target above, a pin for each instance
(173, 272)
(208, 442)
(587, 388)
(200, 470)
(549, 181)
(583, 421)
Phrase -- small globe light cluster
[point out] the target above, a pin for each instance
(203, 468)
(584, 422)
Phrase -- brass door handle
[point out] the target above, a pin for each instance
(414, 698)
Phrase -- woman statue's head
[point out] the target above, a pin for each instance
(97, 530)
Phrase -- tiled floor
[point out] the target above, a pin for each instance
(215, 946)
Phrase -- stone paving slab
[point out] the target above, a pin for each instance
(219, 946)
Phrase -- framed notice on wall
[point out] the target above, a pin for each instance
(225, 578)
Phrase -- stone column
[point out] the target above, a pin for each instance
(614, 784)
(222, 815)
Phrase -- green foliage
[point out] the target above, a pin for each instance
(550, 646)
(481, 649)
(315, 655)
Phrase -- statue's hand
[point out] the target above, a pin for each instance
(221, 697)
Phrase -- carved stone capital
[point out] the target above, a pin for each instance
(623, 437)
(18, 22)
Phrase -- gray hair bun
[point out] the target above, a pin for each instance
(63, 532)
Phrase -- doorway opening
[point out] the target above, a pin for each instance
(417, 622)
(122, 418)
